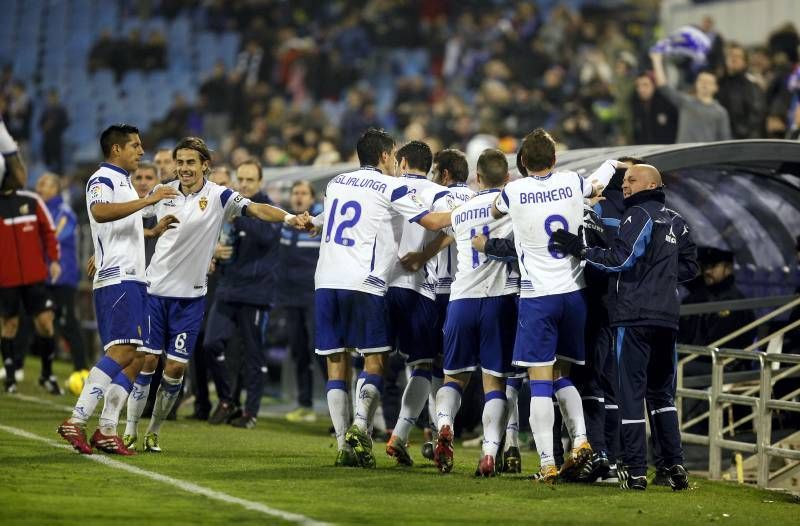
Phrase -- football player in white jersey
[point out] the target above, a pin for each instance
(176, 282)
(481, 318)
(358, 250)
(552, 306)
(119, 283)
(411, 297)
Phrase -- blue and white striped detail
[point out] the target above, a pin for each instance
(374, 281)
(108, 273)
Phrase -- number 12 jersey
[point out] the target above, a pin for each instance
(359, 244)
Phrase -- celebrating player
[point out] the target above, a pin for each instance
(359, 247)
(552, 306)
(119, 289)
(176, 275)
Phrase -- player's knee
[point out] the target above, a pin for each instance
(461, 380)
(122, 354)
(149, 362)
(9, 327)
(493, 383)
(43, 324)
(337, 365)
(375, 363)
(174, 369)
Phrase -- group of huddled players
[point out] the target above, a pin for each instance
(453, 279)
(502, 288)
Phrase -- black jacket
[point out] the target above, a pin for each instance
(297, 262)
(654, 121)
(250, 277)
(746, 105)
(652, 252)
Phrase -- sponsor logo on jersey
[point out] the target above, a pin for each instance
(96, 191)
(203, 203)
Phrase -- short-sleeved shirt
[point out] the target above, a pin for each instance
(414, 237)
(118, 245)
(478, 276)
(183, 253)
(539, 206)
(359, 243)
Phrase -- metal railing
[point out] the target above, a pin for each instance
(753, 390)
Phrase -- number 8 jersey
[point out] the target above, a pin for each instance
(539, 206)
(359, 243)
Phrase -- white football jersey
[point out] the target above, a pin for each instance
(539, 206)
(183, 253)
(118, 245)
(414, 237)
(478, 276)
(359, 243)
(445, 261)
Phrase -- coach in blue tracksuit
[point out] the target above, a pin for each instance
(242, 301)
(64, 290)
(650, 255)
(297, 262)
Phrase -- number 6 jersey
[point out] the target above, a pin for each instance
(359, 244)
(539, 206)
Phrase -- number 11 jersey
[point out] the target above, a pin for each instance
(359, 244)
(539, 206)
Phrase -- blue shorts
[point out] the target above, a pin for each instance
(480, 332)
(173, 325)
(442, 302)
(550, 327)
(350, 319)
(119, 310)
(413, 325)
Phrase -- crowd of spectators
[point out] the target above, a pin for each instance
(128, 52)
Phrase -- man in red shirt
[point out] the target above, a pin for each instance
(28, 239)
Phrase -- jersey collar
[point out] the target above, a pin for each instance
(545, 178)
(457, 185)
(414, 176)
(370, 167)
(488, 191)
(115, 168)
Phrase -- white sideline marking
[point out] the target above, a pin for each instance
(183, 485)
(42, 401)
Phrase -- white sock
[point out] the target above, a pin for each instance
(368, 398)
(167, 393)
(414, 396)
(436, 384)
(357, 389)
(448, 402)
(115, 398)
(542, 419)
(94, 389)
(136, 401)
(512, 417)
(494, 412)
(569, 401)
(339, 408)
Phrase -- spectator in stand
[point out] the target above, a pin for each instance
(18, 112)
(744, 100)
(53, 123)
(165, 164)
(700, 117)
(655, 118)
(297, 262)
(153, 52)
(216, 92)
(144, 180)
(63, 290)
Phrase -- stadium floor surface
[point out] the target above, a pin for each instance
(281, 472)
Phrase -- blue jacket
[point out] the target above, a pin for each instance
(652, 252)
(297, 262)
(250, 276)
(66, 224)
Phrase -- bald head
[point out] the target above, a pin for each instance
(640, 177)
(48, 186)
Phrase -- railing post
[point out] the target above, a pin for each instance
(764, 429)
(715, 418)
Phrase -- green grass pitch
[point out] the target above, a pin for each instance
(288, 467)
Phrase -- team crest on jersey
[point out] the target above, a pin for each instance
(24, 209)
(95, 191)
(416, 200)
(203, 203)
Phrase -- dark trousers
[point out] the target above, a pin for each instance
(225, 320)
(66, 323)
(199, 370)
(300, 326)
(646, 359)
